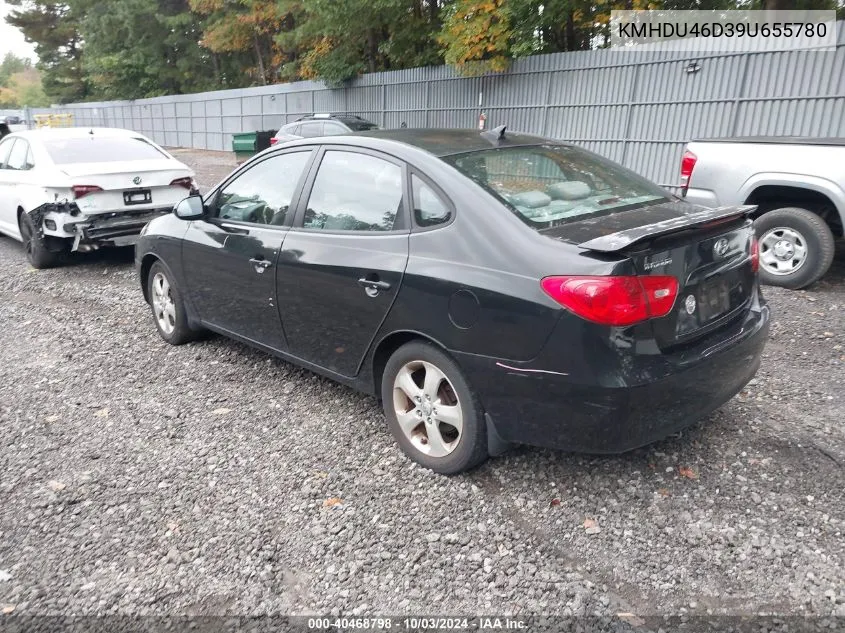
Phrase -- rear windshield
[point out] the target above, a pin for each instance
(100, 149)
(549, 185)
(359, 125)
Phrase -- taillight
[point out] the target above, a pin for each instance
(755, 254)
(616, 301)
(187, 182)
(274, 140)
(84, 190)
(687, 165)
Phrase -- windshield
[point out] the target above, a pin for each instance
(359, 125)
(548, 185)
(101, 149)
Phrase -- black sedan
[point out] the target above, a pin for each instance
(490, 288)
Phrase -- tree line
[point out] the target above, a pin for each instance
(129, 49)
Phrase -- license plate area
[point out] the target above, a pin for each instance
(714, 299)
(137, 196)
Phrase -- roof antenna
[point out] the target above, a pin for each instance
(497, 134)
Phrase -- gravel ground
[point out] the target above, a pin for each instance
(139, 478)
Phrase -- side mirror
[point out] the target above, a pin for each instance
(191, 208)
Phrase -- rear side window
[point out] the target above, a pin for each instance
(101, 149)
(547, 185)
(310, 130)
(429, 208)
(354, 192)
(5, 148)
(17, 157)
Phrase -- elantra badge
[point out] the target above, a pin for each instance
(720, 248)
(137, 180)
(689, 304)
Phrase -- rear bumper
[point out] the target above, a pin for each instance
(532, 405)
(118, 228)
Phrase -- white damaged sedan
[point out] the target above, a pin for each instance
(79, 189)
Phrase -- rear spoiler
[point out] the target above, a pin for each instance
(623, 239)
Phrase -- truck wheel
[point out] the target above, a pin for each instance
(796, 247)
(39, 252)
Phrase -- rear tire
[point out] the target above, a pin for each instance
(796, 247)
(431, 411)
(36, 246)
(168, 307)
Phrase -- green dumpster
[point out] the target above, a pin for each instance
(244, 145)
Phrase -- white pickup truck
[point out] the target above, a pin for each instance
(798, 185)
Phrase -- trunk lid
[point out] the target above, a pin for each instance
(707, 250)
(141, 185)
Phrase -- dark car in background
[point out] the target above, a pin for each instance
(315, 125)
(12, 120)
(489, 288)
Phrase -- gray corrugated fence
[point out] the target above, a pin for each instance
(636, 107)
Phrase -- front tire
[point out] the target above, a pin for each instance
(431, 411)
(38, 254)
(168, 307)
(796, 247)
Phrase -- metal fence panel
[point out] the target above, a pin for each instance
(638, 108)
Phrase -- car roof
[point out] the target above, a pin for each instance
(446, 141)
(46, 133)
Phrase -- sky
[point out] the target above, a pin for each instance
(11, 40)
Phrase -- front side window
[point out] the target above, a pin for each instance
(101, 149)
(548, 185)
(330, 128)
(17, 157)
(263, 194)
(354, 192)
(429, 208)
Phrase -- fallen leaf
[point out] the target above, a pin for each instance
(52, 418)
(102, 413)
(172, 526)
(221, 411)
(663, 492)
(333, 501)
(554, 502)
(652, 466)
(55, 485)
(7, 609)
(589, 523)
(689, 473)
(321, 474)
(631, 619)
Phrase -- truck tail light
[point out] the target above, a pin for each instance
(615, 301)
(687, 165)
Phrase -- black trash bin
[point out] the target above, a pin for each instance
(262, 139)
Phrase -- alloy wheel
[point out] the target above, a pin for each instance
(783, 250)
(427, 408)
(164, 307)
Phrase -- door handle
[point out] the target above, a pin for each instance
(371, 284)
(260, 264)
